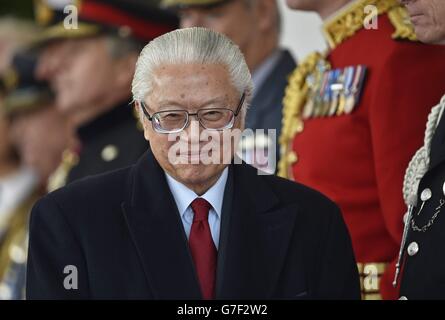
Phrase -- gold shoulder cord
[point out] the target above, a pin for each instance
(294, 99)
(58, 178)
(400, 20)
(14, 244)
(336, 30)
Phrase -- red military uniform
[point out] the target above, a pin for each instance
(358, 158)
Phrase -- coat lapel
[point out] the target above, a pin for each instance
(255, 235)
(157, 232)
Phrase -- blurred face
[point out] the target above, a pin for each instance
(428, 18)
(40, 138)
(236, 19)
(191, 87)
(81, 72)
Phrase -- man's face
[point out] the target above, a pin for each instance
(428, 18)
(80, 72)
(236, 19)
(40, 137)
(191, 87)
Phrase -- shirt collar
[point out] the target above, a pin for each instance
(184, 196)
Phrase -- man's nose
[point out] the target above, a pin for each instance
(193, 129)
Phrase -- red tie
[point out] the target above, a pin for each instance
(202, 248)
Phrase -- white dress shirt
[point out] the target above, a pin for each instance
(184, 197)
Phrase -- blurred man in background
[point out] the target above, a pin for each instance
(33, 136)
(17, 186)
(353, 119)
(254, 25)
(17, 182)
(90, 70)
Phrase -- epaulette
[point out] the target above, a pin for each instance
(399, 18)
(348, 21)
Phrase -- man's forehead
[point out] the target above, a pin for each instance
(191, 95)
(180, 98)
(190, 92)
(64, 45)
(56, 48)
(191, 75)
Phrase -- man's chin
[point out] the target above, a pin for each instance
(195, 174)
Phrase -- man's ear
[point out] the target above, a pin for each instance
(146, 126)
(146, 130)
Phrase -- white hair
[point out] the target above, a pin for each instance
(188, 46)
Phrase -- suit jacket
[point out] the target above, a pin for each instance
(123, 233)
(267, 104)
(424, 272)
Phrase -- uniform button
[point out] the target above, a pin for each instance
(426, 195)
(109, 153)
(413, 248)
(403, 298)
(443, 188)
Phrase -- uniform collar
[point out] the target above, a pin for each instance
(105, 121)
(348, 20)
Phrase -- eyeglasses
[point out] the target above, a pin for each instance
(174, 121)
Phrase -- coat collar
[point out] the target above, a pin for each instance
(254, 229)
(438, 143)
(120, 113)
